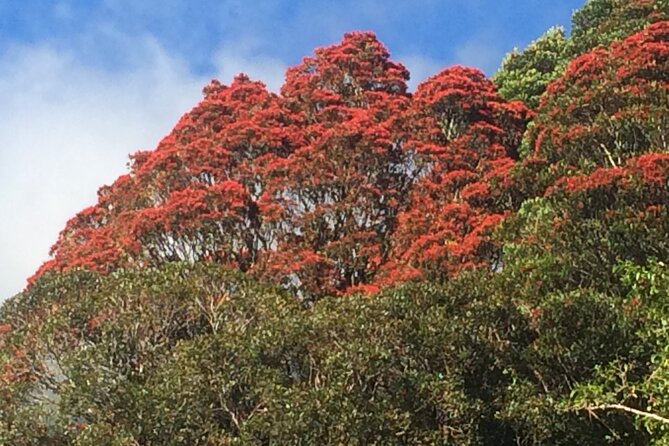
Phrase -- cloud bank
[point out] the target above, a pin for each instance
(65, 130)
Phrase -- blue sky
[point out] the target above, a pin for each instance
(85, 82)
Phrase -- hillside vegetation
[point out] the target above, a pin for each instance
(479, 262)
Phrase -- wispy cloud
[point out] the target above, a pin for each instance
(420, 67)
(244, 56)
(65, 130)
(479, 54)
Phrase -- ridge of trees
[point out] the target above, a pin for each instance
(479, 262)
(310, 188)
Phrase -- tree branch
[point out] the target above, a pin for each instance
(628, 409)
(608, 155)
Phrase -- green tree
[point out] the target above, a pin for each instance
(602, 22)
(524, 75)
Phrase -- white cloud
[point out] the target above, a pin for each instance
(66, 129)
(478, 54)
(420, 67)
(243, 56)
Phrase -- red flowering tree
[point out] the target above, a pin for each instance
(335, 198)
(610, 104)
(465, 138)
(601, 22)
(305, 188)
(192, 198)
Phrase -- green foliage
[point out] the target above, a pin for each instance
(198, 355)
(601, 22)
(158, 361)
(524, 75)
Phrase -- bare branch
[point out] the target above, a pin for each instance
(608, 155)
(628, 409)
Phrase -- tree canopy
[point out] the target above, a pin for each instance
(479, 262)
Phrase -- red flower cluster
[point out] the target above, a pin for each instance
(346, 182)
(610, 105)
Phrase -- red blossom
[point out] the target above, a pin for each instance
(342, 183)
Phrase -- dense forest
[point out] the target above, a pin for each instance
(480, 262)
